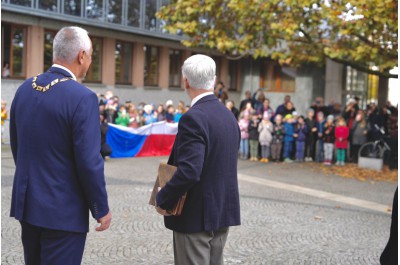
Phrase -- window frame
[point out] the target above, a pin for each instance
(177, 66)
(146, 82)
(122, 63)
(90, 70)
(11, 57)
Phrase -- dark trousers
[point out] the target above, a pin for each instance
(310, 147)
(354, 149)
(44, 246)
(300, 150)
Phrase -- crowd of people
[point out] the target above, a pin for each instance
(326, 133)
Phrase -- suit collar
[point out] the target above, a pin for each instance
(204, 98)
(59, 69)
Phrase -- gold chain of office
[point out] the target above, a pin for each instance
(45, 88)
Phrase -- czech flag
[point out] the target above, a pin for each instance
(155, 139)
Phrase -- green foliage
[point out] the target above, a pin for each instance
(358, 33)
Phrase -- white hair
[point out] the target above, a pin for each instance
(199, 70)
(68, 42)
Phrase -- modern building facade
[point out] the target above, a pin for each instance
(138, 61)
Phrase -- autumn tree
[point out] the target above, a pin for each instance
(362, 34)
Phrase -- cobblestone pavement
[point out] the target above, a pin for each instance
(278, 226)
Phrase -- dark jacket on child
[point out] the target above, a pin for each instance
(253, 130)
(278, 133)
(301, 131)
(330, 136)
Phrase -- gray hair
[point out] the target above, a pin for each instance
(199, 70)
(68, 42)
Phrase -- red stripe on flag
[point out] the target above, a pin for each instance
(157, 145)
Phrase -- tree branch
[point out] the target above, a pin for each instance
(363, 68)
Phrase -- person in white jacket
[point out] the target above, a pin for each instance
(265, 129)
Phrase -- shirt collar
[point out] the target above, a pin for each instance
(198, 97)
(65, 69)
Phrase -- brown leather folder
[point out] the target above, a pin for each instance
(165, 173)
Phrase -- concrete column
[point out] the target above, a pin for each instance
(163, 68)
(333, 81)
(224, 71)
(138, 66)
(108, 62)
(35, 51)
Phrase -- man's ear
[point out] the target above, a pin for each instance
(187, 85)
(81, 55)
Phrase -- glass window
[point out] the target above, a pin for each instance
(150, 19)
(72, 7)
(21, 2)
(48, 5)
(123, 62)
(94, 9)
(162, 23)
(233, 75)
(277, 78)
(114, 14)
(13, 50)
(151, 66)
(48, 49)
(94, 72)
(134, 13)
(175, 63)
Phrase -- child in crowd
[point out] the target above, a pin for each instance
(4, 117)
(288, 142)
(123, 117)
(265, 138)
(320, 136)
(134, 117)
(341, 135)
(253, 137)
(179, 112)
(278, 133)
(300, 134)
(244, 122)
(311, 136)
(359, 135)
(329, 139)
(169, 116)
(148, 115)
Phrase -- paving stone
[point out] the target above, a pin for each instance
(278, 227)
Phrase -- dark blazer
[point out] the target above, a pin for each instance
(55, 141)
(205, 152)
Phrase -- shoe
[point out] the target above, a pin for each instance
(288, 160)
(343, 163)
(338, 163)
(266, 160)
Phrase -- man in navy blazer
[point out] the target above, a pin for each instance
(55, 142)
(205, 153)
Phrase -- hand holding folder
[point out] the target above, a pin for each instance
(165, 173)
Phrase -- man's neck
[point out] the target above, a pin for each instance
(70, 67)
(195, 92)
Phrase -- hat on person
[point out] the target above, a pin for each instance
(169, 103)
(295, 113)
(330, 117)
(351, 100)
(288, 116)
(266, 115)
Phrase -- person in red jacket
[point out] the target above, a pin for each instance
(341, 135)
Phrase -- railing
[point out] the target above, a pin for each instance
(136, 16)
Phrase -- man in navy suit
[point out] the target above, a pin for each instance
(55, 142)
(205, 153)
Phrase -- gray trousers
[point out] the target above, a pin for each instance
(204, 248)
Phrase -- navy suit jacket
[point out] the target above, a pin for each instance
(55, 142)
(206, 153)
